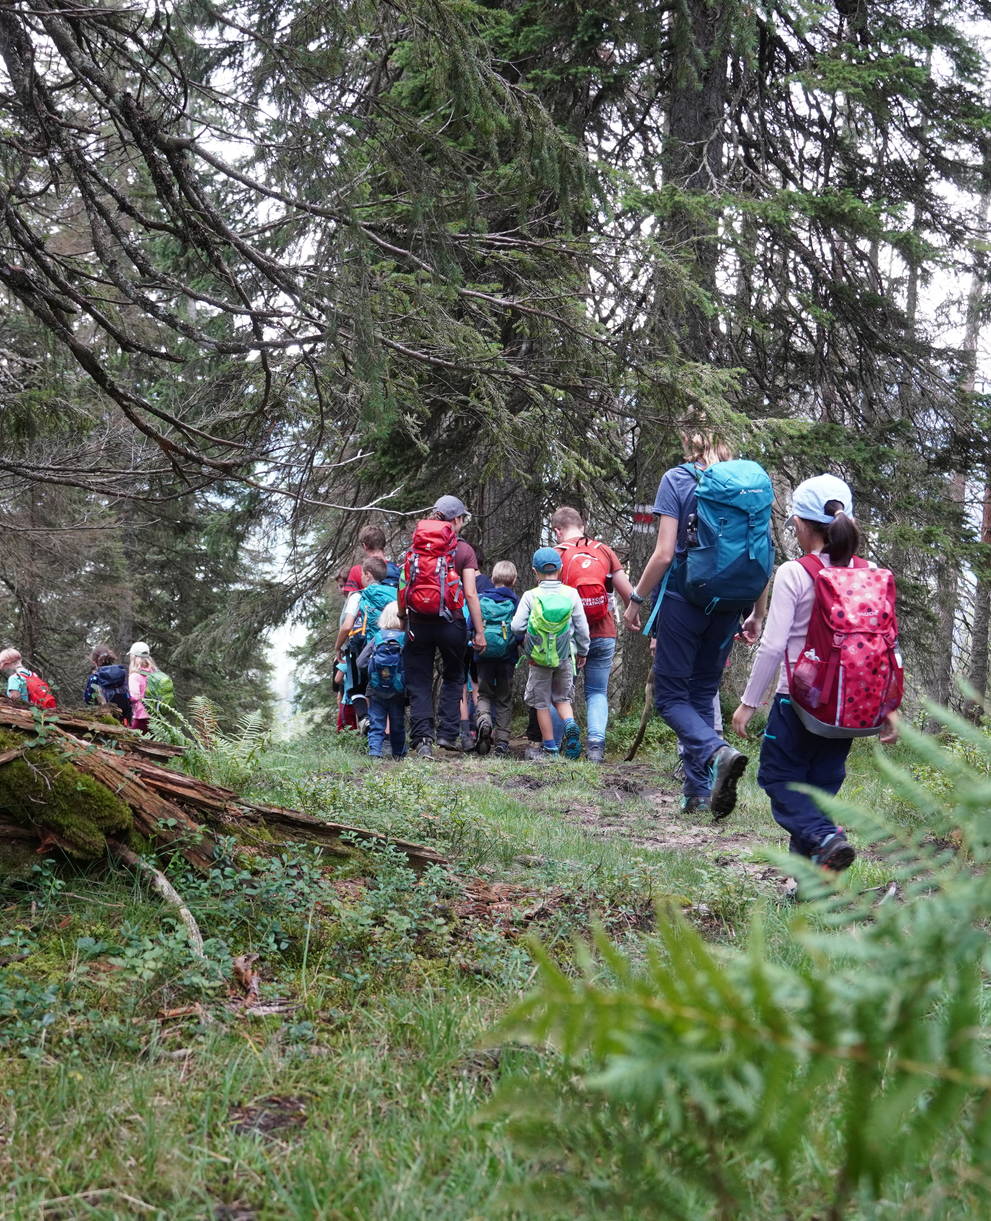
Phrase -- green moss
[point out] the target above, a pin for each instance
(43, 789)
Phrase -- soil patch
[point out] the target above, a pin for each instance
(269, 1115)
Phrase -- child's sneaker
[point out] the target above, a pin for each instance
(595, 752)
(571, 740)
(694, 804)
(501, 750)
(835, 852)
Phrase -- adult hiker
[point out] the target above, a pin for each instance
(832, 623)
(595, 571)
(437, 582)
(705, 588)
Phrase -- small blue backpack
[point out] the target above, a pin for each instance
(386, 677)
(732, 558)
(496, 615)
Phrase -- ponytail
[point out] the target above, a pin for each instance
(842, 535)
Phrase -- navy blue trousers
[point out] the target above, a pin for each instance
(789, 755)
(425, 636)
(692, 648)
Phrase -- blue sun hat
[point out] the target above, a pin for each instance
(810, 498)
(546, 560)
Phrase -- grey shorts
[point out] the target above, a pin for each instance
(545, 688)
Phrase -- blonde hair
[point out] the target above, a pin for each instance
(703, 445)
(142, 663)
(504, 573)
(8, 658)
(389, 617)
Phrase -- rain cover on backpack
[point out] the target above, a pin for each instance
(848, 676)
(548, 631)
(430, 584)
(731, 562)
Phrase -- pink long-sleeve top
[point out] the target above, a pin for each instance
(137, 685)
(788, 617)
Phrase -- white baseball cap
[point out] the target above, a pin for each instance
(139, 648)
(810, 498)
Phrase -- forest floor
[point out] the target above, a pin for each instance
(339, 1053)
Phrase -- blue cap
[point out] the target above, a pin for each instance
(810, 498)
(546, 559)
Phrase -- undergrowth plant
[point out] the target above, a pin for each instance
(832, 1076)
(225, 757)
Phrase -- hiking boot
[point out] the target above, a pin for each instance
(449, 744)
(835, 852)
(537, 754)
(694, 803)
(571, 741)
(501, 750)
(360, 705)
(425, 749)
(483, 738)
(725, 768)
(595, 752)
(363, 726)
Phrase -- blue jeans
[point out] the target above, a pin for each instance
(692, 648)
(789, 755)
(595, 676)
(393, 711)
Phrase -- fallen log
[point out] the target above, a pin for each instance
(91, 787)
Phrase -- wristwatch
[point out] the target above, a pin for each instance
(635, 597)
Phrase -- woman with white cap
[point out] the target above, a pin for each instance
(791, 754)
(140, 666)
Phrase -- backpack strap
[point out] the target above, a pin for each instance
(812, 564)
(657, 602)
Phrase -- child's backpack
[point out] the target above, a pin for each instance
(160, 688)
(39, 692)
(496, 615)
(586, 569)
(392, 574)
(849, 674)
(386, 676)
(548, 632)
(111, 687)
(429, 583)
(374, 599)
(731, 560)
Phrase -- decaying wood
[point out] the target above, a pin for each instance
(174, 811)
(648, 712)
(165, 888)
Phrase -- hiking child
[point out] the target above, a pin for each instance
(382, 659)
(438, 580)
(494, 707)
(107, 683)
(139, 667)
(596, 572)
(360, 618)
(371, 540)
(554, 620)
(704, 591)
(23, 683)
(798, 747)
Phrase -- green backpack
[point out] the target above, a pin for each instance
(548, 633)
(497, 614)
(160, 688)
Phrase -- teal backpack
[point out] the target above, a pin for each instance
(548, 633)
(374, 599)
(497, 614)
(730, 560)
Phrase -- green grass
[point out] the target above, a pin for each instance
(111, 1108)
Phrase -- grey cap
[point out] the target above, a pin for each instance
(449, 507)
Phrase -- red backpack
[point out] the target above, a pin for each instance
(849, 674)
(586, 569)
(429, 583)
(39, 692)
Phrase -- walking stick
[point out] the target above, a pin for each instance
(648, 708)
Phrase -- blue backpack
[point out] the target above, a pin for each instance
(731, 560)
(499, 637)
(386, 677)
